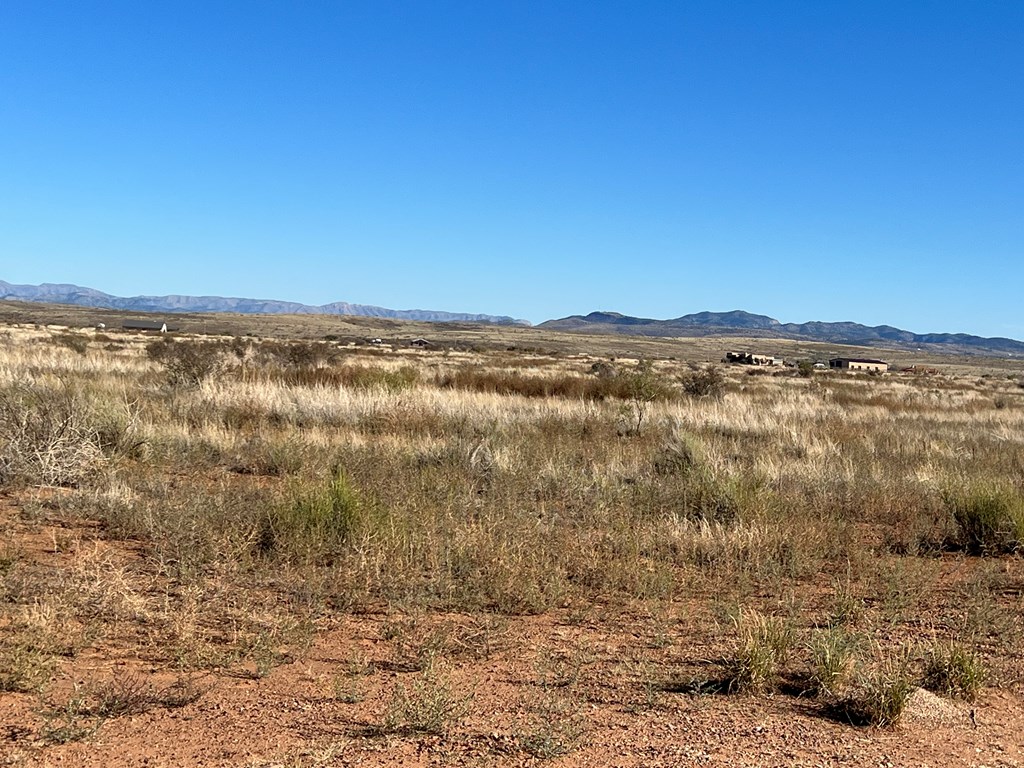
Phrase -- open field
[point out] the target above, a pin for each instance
(506, 550)
(468, 337)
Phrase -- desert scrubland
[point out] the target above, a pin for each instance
(240, 551)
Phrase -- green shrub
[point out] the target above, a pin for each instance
(990, 517)
(428, 706)
(23, 667)
(640, 387)
(556, 729)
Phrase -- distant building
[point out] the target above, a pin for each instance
(858, 364)
(421, 343)
(749, 358)
(146, 325)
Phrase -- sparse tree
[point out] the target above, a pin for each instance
(641, 386)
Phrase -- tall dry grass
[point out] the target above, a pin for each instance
(310, 481)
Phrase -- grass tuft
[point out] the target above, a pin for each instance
(833, 661)
(762, 647)
(881, 697)
(316, 522)
(990, 517)
(954, 670)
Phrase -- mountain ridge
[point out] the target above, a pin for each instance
(735, 322)
(763, 326)
(67, 293)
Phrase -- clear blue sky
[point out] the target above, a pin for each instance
(807, 160)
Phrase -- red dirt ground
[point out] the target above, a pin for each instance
(570, 676)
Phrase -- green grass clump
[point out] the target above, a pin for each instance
(317, 521)
(763, 645)
(833, 660)
(954, 670)
(881, 697)
(990, 517)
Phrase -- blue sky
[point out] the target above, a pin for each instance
(807, 160)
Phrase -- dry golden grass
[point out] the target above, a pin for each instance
(225, 518)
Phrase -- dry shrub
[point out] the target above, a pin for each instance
(73, 341)
(92, 704)
(705, 383)
(188, 363)
(295, 354)
(47, 436)
(638, 383)
(477, 379)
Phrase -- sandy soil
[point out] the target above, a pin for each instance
(588, 686)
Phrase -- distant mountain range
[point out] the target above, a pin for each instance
(738, 323)
(59, 293)
(735, 323)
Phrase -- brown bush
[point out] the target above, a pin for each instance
(188, 363)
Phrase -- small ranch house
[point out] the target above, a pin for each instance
(146, 325)
(858, 364)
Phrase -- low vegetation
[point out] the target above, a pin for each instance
(214, 505)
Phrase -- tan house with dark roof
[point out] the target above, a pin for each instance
(858, 364)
